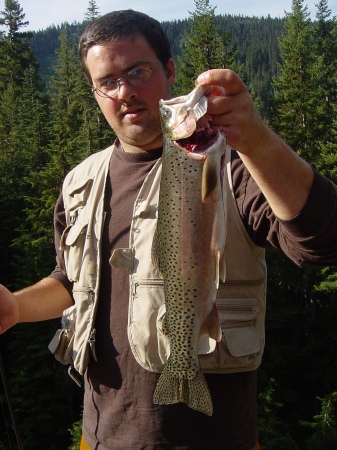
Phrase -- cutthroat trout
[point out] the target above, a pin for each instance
(188, 245)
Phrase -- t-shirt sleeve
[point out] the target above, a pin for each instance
(309, 239)
(59, 273)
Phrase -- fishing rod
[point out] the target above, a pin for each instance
(10, 405)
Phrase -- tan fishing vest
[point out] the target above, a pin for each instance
(240, 300)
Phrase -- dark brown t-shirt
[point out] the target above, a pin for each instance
(119, 413)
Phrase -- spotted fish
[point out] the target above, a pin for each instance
(188, 245)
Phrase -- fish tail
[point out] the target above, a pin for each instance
(179, 388)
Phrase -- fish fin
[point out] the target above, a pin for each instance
(222, 267)
(179, 388)
(211, 326)
(217, 268)
(209, 178)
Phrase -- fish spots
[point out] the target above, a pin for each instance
(182, 251)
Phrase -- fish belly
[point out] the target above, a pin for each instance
(186, 249)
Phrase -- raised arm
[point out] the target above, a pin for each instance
(283, 177)
(44, 300)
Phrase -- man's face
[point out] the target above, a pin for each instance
(133, 112)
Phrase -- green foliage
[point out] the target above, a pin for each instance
(34, 240)
(204, 47)
(43, 394)
(76, 435)
(92, 11)
(295, 88)
(15, 52)
(269, 423)
(324, 425)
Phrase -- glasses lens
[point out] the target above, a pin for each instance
(139, 75)
(136, 77)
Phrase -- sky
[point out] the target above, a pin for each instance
(44, 13)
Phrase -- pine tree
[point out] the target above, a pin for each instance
(325, 48)
(79, 128)
(296, 87)
(324, 425)
(15, 52)
(92, 11)
(10, 205)
(325, 38)
(204, 47)
(34, 242)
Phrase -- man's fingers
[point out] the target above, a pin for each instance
(226, 79)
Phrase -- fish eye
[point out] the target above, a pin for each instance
(166, 112)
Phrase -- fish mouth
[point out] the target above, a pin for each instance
(200, 141)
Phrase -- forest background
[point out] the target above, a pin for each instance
(49, 122)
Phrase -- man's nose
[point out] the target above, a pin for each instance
(126, 90)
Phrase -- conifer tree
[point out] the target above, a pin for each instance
(66, 107)
(204, 47)
(79, 128)
(92, 11)
(296, 87)
(34, 242)
(324, 425)
(10, 205)
(325, 49)
(15, 52)
(325, 38)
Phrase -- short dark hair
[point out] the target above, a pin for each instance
(126, 23)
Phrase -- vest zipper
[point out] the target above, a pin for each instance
(242, 282)
(145, 283)
(244, 308)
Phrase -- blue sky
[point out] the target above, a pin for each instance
(43, 13)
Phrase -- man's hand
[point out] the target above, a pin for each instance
(284, 178)
(9, 309)
(232, 108)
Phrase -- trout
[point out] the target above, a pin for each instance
(188, 245)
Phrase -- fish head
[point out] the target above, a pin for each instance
(185, 122)
(180, 115)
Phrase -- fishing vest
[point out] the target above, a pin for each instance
(240, 299)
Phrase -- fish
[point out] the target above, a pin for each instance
(188, 244)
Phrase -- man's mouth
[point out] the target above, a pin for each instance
(133, 111)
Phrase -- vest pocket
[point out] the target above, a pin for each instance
(62, 343)
(241, 343)
(149, 346)
(239, 350)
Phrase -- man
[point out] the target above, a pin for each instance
(279, 199)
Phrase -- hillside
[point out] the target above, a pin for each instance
(256, 40)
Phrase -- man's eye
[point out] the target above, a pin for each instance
(108, 83)
(137, 72)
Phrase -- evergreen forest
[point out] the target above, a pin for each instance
(49, 122)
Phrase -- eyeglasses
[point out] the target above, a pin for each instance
(137, 76)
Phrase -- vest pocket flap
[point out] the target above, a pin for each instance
(122, 258)
(77, 195)
(242, 341)
(72, 243)
(74, 232)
